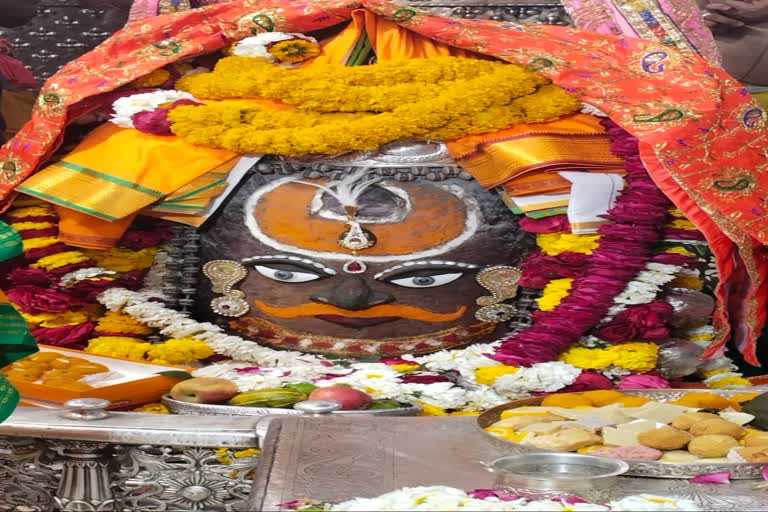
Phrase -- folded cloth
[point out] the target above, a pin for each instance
(116, 172)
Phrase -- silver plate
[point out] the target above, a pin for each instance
(738, 471)
(179, 407)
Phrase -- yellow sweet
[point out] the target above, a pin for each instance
(43, 357)
(703, 400)
(567, 400)
(603, 397)
(507, 434)
(633, 401)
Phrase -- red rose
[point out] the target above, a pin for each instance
(63, 335)
(20, 276)
(618, 330)
(34, 300)
(588, 381)
(137, 240)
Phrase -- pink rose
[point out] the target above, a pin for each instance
(153, 122)
(553, 224)
(425, 379)
(63, 335)
(34, 300)
(644, 381)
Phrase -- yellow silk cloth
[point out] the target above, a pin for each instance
(115, 172)
(525, 159)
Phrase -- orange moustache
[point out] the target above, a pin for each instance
(313, 309)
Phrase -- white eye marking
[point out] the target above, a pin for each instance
(285, 276)
(426, 281)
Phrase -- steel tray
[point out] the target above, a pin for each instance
(738, 471)
(179, 407)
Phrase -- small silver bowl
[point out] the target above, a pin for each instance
(556, 474)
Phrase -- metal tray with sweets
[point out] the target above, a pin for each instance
(737, 470)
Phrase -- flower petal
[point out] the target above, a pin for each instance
(713, 478)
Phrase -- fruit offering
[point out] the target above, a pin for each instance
(54, 369)
(699, 427)
(215, 390)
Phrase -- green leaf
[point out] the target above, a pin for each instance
(178, 374)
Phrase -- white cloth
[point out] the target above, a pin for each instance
(592, 195)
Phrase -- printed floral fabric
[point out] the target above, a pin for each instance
(701, 136)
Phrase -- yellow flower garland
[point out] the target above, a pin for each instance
(487, 375)
(555, 291)
(553, 244)
(442, 98)
(637, 357)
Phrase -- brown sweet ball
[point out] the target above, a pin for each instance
(754, 453)
(717, 426)
(756, 439)
(664, 438)
(712, 446)
(686, 421)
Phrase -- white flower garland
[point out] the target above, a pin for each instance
(450, 499)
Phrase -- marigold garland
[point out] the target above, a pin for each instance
(492, 97)
(637, 357)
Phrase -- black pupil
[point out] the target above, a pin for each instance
(424, 280)
(283, 274)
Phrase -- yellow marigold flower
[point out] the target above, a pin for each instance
(118, 346)
(179, 350)
(556, 243)
(712, 373)
(432, 410)
(68, 318)
(154, 79)
(676, 212)
(249, 452)
(682, 224)
(124, 260)
(60, 259)
(555, 291)
(294, 51)
(22, 226)
(33, 211)
(404, 368)
(588, 358)
(113, 321)
(153, 408)
(689, 282)
(37, 243)
(730, 383)
(637, 357)
(487, 375)
(679, 250)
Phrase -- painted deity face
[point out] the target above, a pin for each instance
(414, 290)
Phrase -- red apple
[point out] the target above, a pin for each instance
(350, 398)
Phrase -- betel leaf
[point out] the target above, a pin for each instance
(178, 374)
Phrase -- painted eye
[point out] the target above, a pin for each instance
(426, 281)
(285, 276)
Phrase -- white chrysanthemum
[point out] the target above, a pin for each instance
(464, 361)
(256, 46)
(84, 273)
(539, 377)
(126, 107)
(643, 502)
(444, 395)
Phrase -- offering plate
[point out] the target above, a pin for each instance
(186, 408)
(738, 471)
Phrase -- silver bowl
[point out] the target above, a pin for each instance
(186, 408)
(652, 469)
(556, 474)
